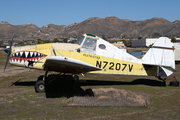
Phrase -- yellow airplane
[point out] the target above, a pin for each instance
(92, 54)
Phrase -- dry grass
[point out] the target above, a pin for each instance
(108, 97)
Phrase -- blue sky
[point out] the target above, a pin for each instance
(66, 12)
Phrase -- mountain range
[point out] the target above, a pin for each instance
(107, 27)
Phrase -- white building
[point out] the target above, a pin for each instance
(177, 51)
(143, 42)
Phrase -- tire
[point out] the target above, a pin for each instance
(39, 86)
(174, 83)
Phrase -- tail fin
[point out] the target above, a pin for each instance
(160, 58)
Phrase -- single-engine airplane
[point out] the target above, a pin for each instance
(92, 54)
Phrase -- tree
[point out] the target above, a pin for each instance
(140, 38)
(173, 40)
(21, 44)
(46, 41)
(65, 40)
(39, 41)
(55, 40)
(125, 43)
(129, 43)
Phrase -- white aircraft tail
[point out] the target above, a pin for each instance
(160, 58)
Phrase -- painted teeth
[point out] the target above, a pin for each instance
(27, 54)
(23, 56)
(31, 53)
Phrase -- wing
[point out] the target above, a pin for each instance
(68, 65)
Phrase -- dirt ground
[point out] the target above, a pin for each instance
(93, 97)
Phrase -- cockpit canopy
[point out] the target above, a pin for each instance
(88, 43)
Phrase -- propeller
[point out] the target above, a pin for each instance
(8, 51)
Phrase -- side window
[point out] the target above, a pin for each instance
(90, 44)
(102, 46)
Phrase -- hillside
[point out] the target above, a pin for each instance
(109, 26)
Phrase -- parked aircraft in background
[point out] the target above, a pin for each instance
(92, 54)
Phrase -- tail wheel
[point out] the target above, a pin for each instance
(39, 86)
(174, 83)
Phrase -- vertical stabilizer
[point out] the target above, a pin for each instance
(161, 57)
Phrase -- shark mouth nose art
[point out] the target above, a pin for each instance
(26, 56)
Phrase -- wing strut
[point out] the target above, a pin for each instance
(53, 50)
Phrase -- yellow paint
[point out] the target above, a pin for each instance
(44, 49)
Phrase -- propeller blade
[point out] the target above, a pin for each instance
(11, 42)
(7, 59)
(8, 51)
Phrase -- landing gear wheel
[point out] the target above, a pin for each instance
(174, 83)
(39, 86)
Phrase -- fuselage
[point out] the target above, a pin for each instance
(89, 49)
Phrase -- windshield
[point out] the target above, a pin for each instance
(90, 44)
(79, 41)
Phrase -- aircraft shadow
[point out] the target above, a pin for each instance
(56, 88)
(148, 82)
(66, 89)
(24, 83)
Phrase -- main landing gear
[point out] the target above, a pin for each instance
(42, 81)
(40, 84)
